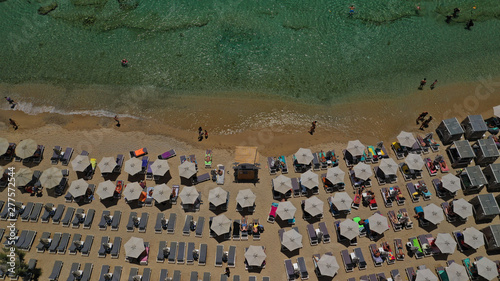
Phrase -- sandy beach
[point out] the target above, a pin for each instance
(101, 138)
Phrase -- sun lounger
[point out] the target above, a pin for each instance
(177, 276)
(67, 217)
(316, 165)
(414, 194)
(35, 213)
(115, 249)
(160, 217)
(172, 252)
(28, 241)
(103, 247)
(171, 223)
(236, 230)
(115, 222)
(87, 245)
(190, 253)
(56, 271)
(25, 215)
(67, 156)
(88, 219)
(139, 152)
(131, 225)
(374, 251)
(411, 274)
(290, 273)
(75, 244)
(19, 240)
(166, 155)
(296, 187)
(117, 273)
(220, 175)
(163, 274)
(450, 217)
(231, 257)
(161, 251)
(144, 258)
(324, 231)
(199, 227)
(218, 255)
(181, 252)
(271, 218)
(103, 223)
(79, 217)
(193, 276)
(468, 265)
(74, 267)
(134, 271)
(56, 155)
(304, 275)
(40, 248)
(272, 165)
(54, 243)
(416, 247)
(346, 258)
(202, 259)
(313, 238)
(143, 222)
(187, 225)
(63, 244)
(104, 271)
(87, 272)
(360, 259)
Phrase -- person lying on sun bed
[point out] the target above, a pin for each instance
(376, 252)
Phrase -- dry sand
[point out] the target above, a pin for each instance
(101, 138)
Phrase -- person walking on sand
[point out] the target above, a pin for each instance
(422, 84)
(313, 127)
(12, 103)
(227, 272)
(206, 134)
(117, 121)
(421, 117)
(14, 124)
(433, 85)
(425, 124)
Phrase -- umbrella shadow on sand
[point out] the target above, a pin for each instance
(109, 202)
(163, 206)
(111, 176)
(290, 254)
(136, 178)
(164, 179)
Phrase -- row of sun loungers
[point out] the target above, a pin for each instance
(297, 270)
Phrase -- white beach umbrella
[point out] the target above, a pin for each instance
(473, 237)
(356, 148)
(132, 191)
(78, 188)
(349, 229)
(378, 223)
(406, 139)
(388, 166)
(26, 148)
(189, 194)
(292, 240)
(342, 201)
(221, 225)
(414, 161)
(161, 193)
(456, 272)
(286, 210)
(187, 169)
(133, 166)
(445, 243)
(363, 171)
(451, 183)
(314, 206)
(105, 189)
(24, 176)
(487, 268)
(51, 177)
(425, 275)
(328, 265)
(160, 167)
(309, 179)
(462, 208)
(496, 111)
(282, 184)
(255, 255)
(304, 156)
(433, 213)
(80, 163)
(246, 198)
(4, 145)
(335, 175)
(107, 164)
(134, 247)
(217, 196)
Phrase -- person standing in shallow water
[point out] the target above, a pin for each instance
(313, 127)
(13, 123)
(433, 85)
(12, 103)
(422, 84)
(117, 121)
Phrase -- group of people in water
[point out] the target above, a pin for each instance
(424, 81)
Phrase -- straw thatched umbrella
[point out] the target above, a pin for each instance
(4, 145)
(425, 275)
(23, 177)
(335, 175)
(134, 247)
(487, 268)
(445, 243)
(161, 193)
(414, 161)
(160, 167)
(349, 229)
(132, 191)
(105, 189)
(217, 196)
(286, 210)
(406, 139)
(356, 148)
(378, 223)
(328, 265)
(314, 206)
(342, 201)
(433, 213)
(451, 183)
(221, 225)
(78, 188)
(107, 164)
(189, 194)
(246, 198)
(292, 240)
(187, 169)
(304, 156)
(363, 171)
(133, 166)
(309, 179)
(456, 272)
(255, 255)
(51, 177)
(80, 163)
(26, 148)
(473, 237)
(496, 111)
(282, 184)
(462, 208)
(388, 166)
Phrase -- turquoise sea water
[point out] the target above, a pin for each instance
(311, 51)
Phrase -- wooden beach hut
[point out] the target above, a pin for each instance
(492, 174)
(474, 127)
(485, 207)
(486, 152)
(246, 164)
(492, 237)
(449, 130)
(473, 179)
(460, 154)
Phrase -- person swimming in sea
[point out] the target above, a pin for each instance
(124, 62)
(351, 10)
